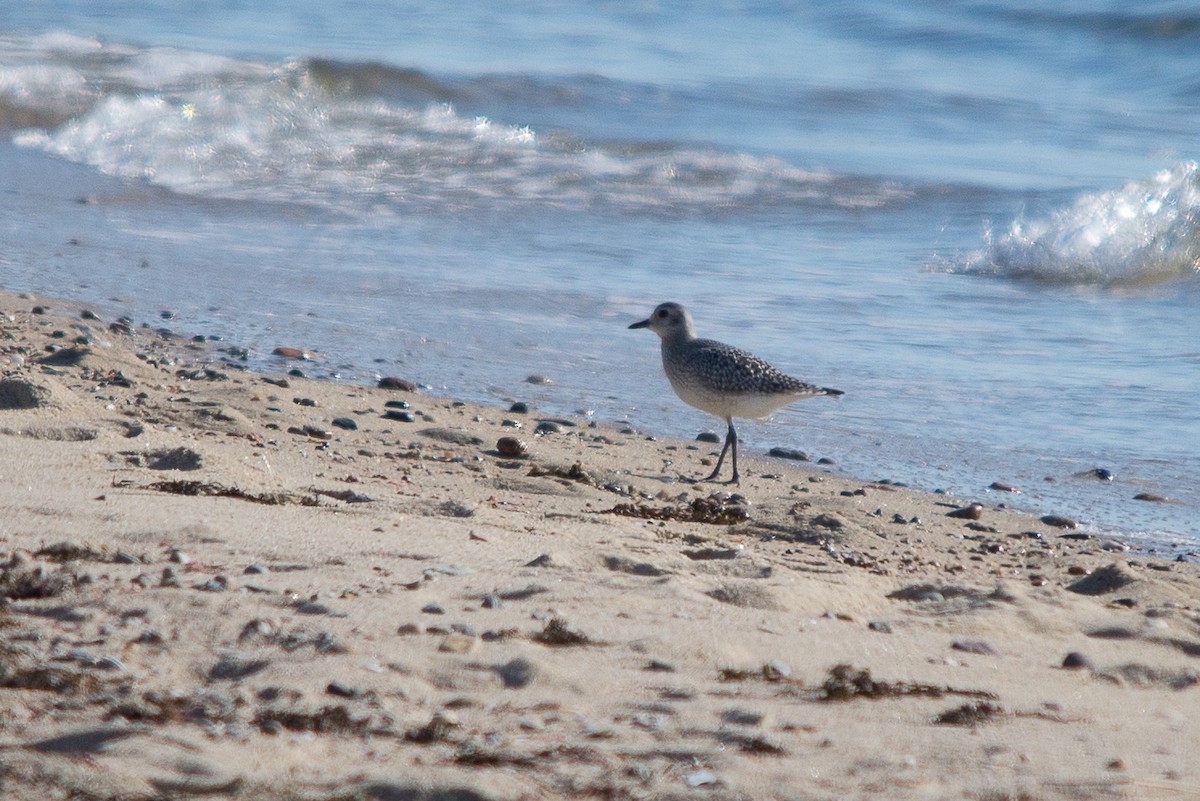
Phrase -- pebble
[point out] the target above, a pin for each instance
(1099, 473)
(292, 353)
(517, 673)
(511, 447)
(547, 427)
(1058, 521)
(708, 436)
(314, 432)
(979, 647)
(700, 778)
(538, 378)
(789, 453)
(520, 407)
(459, 644)
(345, 423)
(1149, 496)
(433, 609)
(880, 626)
(402, 384)
(341, 690)
(399, 416)
(972, 512)
(1000, 486)
(255, 570)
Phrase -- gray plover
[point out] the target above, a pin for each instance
(721, 379)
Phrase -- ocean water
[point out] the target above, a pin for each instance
(981, 220)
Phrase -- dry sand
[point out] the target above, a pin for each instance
(205, 599)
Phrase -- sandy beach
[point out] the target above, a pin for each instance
(223, 584)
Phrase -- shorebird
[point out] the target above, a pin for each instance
(721, 379)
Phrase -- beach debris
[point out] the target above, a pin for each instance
(980, 647)
(438, 729)
(701, 778)
(970, 714)
(326, 720)
(845, 682)
(752, 743)
(574, 473)
(558, 633)
(718, 509)
(511, 447)
(216, 490)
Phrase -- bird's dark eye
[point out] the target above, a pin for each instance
(662, 313)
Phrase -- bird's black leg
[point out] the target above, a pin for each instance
(730, 443)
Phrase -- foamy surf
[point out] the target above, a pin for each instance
(1145, 232)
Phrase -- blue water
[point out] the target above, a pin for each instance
(981, 220)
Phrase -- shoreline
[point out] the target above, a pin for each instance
(259, 586)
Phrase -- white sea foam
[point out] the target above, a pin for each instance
(1144, 232)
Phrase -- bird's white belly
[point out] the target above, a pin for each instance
(730, 404)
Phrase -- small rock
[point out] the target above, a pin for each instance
(520, 407)
(1058, 521)
(1150, 496)
(700, 778)
(974, 647)
(708, 436)
(402, 384)
(399, 416)
(538, 378)
(880, 626)
(292, 353)
(545, 560)
(548, 427)
(972, 512)
(341, 690)
(345, 423)
(517, 673)
(491, 601)
(433, 609)
(408, 629)
(255, 570)
(789, 453)
(1002, 487)
(510, 447)
(459, 644)
(1098, 473)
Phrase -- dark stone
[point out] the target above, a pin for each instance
(789, 453)
(708, 436)
(344, 422)
(398, 416)
(391, 382)
(1076, 661)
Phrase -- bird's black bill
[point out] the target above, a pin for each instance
(642, 324)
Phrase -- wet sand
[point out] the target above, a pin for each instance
(224, 584)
